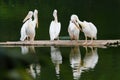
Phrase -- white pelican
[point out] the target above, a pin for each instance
(28, 20)
(55, 27)
(28, 28)
(73, 28)
(89, 30)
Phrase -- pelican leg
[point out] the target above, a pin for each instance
(91, 41)
(91, 47)
(31, 38)
(72, 37)
(77, 38)
(27, 38)
(86, 49)
(57, 38)
(85, 40)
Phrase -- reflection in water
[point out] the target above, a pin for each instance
(27, 49)
(78, 65)
(56, 59)
(91, 58)
(75, 60)
(35, 70)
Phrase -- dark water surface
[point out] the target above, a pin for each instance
(59, 63)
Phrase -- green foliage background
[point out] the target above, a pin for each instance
(104, 14)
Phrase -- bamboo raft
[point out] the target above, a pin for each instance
(60, 43)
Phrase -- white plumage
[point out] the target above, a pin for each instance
(55, 27)
(28, 28)
(73, 28)
(89, 30)
(28, 20)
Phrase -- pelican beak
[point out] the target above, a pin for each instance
(29, 15)
(26, 18)
(37, 22)
(77, 25)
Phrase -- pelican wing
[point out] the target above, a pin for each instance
(58, 28)
(54, 30)
(23, 31)
(51, 31)
(93, 29)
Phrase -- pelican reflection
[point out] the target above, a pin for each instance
(76, 62)
(56, 58)
(79, 64)
(34, 70)
(91, 58)
(27, 49)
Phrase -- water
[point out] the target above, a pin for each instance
(59, 63)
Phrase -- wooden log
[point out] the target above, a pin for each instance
(60, 43)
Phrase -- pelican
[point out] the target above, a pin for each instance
(89, 30)
(28, 20)
(73, 28)
(55, 27)
(28, 28)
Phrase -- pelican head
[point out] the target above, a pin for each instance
(74, 18)
(36, 16)
(29, 15)
(55, 13)
(84, 24)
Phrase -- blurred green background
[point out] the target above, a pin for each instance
(105, 14)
